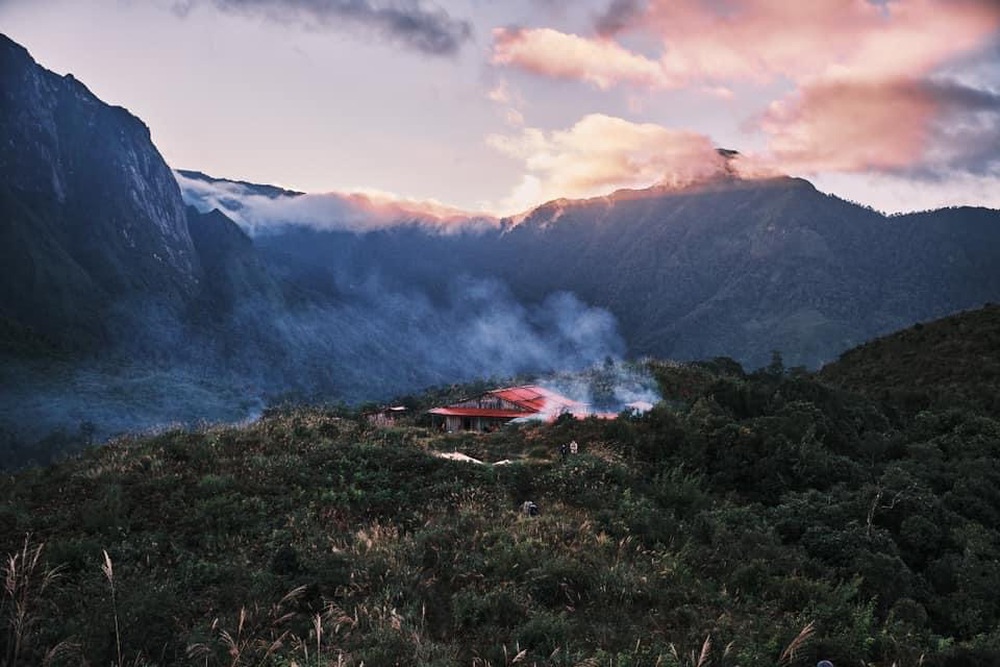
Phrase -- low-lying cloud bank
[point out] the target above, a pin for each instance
(260, 209)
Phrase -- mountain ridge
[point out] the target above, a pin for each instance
(952, 362)
(730, 263)
(338, 302)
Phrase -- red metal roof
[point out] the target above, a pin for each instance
(477, 412)
(531, 400)
(537, 399)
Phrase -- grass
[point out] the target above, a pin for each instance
(732, 527)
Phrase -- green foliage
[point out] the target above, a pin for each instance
(745, 511)
(951, 362)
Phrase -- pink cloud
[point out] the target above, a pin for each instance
(353, 211)
(600, 154)
(851, 125)
(601, 62)
(710, 42)
(865, 98)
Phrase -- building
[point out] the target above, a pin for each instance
(495, 408)
(387, 416)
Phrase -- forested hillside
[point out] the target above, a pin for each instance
(768, 518)
(951, 362)
(730, 267)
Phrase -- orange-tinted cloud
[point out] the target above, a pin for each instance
(600, 154)
(849, 126)
(758, 40)
(601, 62)
(766, 38)
(388, 209)
(868, 89)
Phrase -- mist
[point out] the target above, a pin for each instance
(264, 209)
(293, 319)
(377, 344)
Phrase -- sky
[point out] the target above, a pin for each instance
(498, 105)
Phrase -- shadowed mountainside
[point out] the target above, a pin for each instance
(951, 362)
(736, 268)
(92, 217)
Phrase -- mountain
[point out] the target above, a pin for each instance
(742, 268)
(91, 218)
(120, 308)
(730, 267)
(95, 233)
(233, 271)
(951, 362)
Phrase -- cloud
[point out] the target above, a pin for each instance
(757, 40)
(500, 93)
(601, 62)
(511, 101)
(618, 16)
(919, 126)
(257, 211)
(407, 23)
(898, 86)
(602, 153)
(378, 343)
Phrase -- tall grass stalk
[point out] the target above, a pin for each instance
(108, 569)
(24, 582)
(791, 651)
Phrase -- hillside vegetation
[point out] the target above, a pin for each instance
(951, 362)
(747, 520)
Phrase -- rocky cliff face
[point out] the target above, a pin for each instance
(91, 219)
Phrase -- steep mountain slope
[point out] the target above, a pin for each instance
(91, 219)
(734, 268)
(951, 362)
(233, 271)
(742, 268)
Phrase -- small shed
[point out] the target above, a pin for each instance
(386, 416)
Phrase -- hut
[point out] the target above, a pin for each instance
(386, 416)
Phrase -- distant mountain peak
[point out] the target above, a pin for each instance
(269, 191)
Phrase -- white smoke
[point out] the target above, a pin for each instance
(608, 388)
